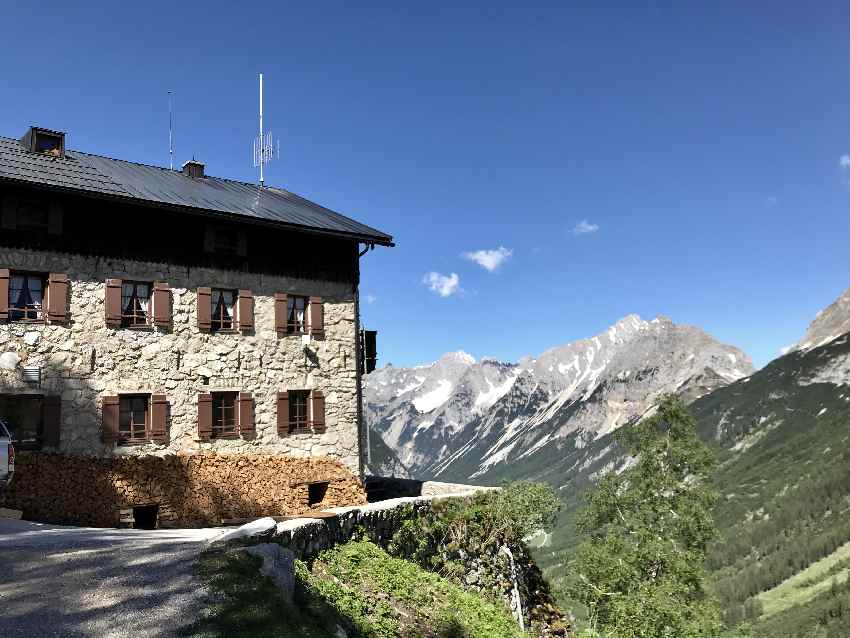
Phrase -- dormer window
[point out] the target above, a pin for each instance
(44, 141)
(48, 144)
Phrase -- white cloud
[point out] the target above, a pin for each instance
(786, 349)
(584, 227)
(443, 285)
(844, 162)
(370, 298)
(771, 201)
(489, 259)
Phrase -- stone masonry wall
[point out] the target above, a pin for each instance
(190, 489)
(84, 360)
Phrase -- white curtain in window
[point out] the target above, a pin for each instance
(143, 294)
(36, 292)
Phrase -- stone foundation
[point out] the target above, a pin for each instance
(190, 490)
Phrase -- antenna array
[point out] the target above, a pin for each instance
(265, 147)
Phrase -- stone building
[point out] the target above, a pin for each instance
(174, 347)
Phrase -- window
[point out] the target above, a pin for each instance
(133, 418)
(32, 216)
(26, 297)
(224, 414)
(24, 415)
(222, 309)
(299, 419)
(296, 322)
(135, 303)
(225, 242)
(48, 144)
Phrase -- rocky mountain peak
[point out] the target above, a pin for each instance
(829, 324)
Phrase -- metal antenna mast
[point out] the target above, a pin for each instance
(265, 148)
(170, 135)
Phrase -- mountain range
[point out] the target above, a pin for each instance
(782, 559)
(462, 419)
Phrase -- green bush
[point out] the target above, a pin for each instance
(484, 520)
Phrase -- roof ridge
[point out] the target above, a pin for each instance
(162, 168)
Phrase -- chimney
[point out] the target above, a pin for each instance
(193, 168)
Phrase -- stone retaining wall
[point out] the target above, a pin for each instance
(485, 570)
(191, 490)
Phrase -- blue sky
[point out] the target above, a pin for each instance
(699, 146)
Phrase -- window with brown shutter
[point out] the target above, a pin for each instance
(204, 309)
(317, 318)
(204, 416)
(4, 294)
(224, 415)
(246, 413)
(161, 304)
(57, 297)
(25, 417)
(223, 310)
(296, 314)
(317, 411)
(109, 431)
(283, 413)
(159, 417)
(26, 296)
(280, 311)
(135, 304)
(134, 418)
(52, 421)
(246, 310)
(299, 412)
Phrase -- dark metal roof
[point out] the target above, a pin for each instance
(109, 177)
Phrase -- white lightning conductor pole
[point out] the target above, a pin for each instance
(170, 134)
(262, 158)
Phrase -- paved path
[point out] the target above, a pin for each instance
(75, 581)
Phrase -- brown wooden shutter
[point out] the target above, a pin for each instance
(317, 397)
(112, 302)
(4, 294)
(246, 413)
(159, 417)
(205, 309)
(161, 304)
(204, 416)
(109, 431)
(9, 213)
(280, 312)
(54, 219)
(317, 317)
(246, 310)
(52, 420)
(57, 297)
(283, 412)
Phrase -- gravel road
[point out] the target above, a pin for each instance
(73, 581)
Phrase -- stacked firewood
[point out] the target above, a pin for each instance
(189, 489)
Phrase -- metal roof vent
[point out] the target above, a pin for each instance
(193, 168)
(44, 141)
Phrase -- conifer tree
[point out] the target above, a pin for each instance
(640, 569)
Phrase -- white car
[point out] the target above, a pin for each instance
(7, 454)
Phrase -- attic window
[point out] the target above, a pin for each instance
(48, 143)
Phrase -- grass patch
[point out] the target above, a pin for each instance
(357, 587)
(807, 584)
(249, 604)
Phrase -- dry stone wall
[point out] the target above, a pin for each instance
(84, 360)
(198, 489)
